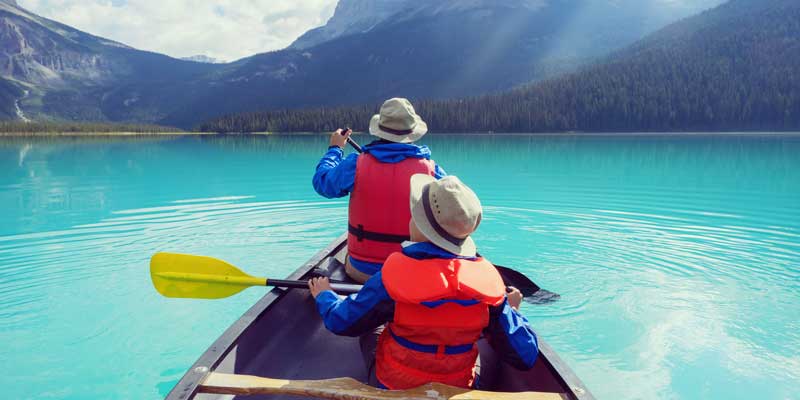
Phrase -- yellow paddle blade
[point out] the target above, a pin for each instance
(197, 277)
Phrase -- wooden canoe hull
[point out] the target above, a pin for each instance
(282, 336)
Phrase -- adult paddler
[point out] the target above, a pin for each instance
(378, 184)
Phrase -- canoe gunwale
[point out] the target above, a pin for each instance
(562, 370)
(189, 385)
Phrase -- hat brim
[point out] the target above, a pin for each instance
(420, 129)
(418, 183)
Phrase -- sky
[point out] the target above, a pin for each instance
(223, 29)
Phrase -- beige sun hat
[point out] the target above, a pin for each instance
(446, 211)
(398, 122)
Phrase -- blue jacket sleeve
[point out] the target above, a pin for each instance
(438, 172)
(359, 313)
(335, 175)
(512, 337)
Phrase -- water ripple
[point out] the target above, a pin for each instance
(36, 261)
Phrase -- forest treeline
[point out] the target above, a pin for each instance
(735, 68)
(80, 127)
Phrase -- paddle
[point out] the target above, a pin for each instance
(351, 141)
(348, 388)
(198, 277)
(532, 292)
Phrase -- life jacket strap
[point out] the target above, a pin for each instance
(361, 235)
(430, 348)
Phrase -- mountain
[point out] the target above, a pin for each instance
(732, 68)
(615, 23)
(428, 49)
(69, 73)
(368, 51)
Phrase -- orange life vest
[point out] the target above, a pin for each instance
(441, 308)
(379, 211)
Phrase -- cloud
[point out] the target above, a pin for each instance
(223, 29)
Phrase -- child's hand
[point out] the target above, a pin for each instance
(318, 285)
(514, 297)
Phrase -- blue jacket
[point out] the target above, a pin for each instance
(336, 174)
(508, 332)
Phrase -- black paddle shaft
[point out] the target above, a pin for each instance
(343, 288)
(352, 142)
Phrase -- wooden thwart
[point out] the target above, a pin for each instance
(350, 389)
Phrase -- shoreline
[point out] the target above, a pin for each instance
(72, 134)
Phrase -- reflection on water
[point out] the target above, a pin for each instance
(677, 257)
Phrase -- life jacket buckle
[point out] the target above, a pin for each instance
(360, 232)
(440, 349)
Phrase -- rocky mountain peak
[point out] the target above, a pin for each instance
(10, 2)
(354, 16)
(361, 16)
(355, 10)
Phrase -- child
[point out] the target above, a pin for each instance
(436, 298)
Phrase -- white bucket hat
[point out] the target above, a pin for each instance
(398, 122)
(446, 211)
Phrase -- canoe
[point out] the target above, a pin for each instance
(282, 336)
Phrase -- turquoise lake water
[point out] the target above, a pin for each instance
(677, 256)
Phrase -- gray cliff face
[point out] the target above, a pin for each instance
(70, 74)
(45, 58)
(45, 53)
(354, 16)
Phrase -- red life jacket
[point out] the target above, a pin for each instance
(379, 209)
(441, 308)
